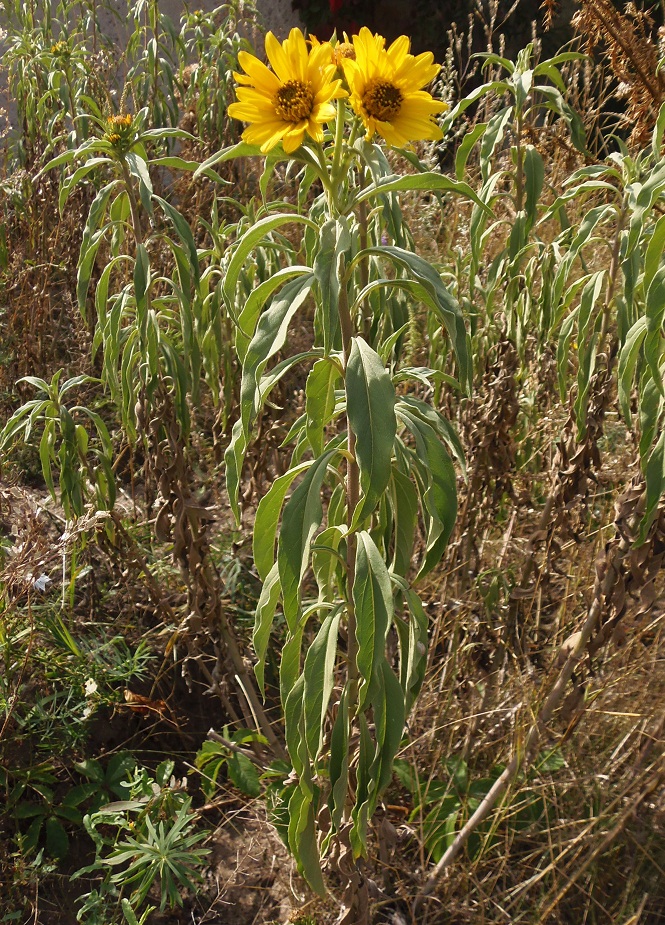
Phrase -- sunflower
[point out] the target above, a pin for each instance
(386, 89)
(290, 100)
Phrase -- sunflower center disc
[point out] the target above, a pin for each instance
(382, 100)
(294, 101)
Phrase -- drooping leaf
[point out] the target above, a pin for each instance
(269, 338)
(373, 604)
(371, 412)
(437, 297)
(334, 241)
(319, 675)
(267, 519)
(389, 718)
(302, 841)
(263, 618)
(320, 401)
(301, 518)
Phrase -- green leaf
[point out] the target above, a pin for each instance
(263, 617)
(248, 317)
(413, 658)
(118, 770)
(267, 518)
(302, 517)
(588, 332)
(374, 157)
(439, 827)
(289, 667)
(80, 793)
(302, 841)
(234, 458)
(534, 177)
(430, 181)
(248, 242)
(466, 146)
(438, 423)
(498, 87)
(326, 560)
(371, 411)
(243, 774)
(650, 406)
(73, 181)
(269, 338)
(30, 810)
(339, 760)
(435, 294)
(57, 840)
(627, 363)
(47, 454)
(440, 495)
(642, 201)
(184, 233)
(389, 718)
(654, 473)
(496, 129)
(30, 840)
(138, 167)
(373, 604)
(654, 251)
(556, 103)
(405, 516)
(334, 241)
(319, 675)
(86, 263)
(364, 770)
(549, 761)
(141, 273)
(320, 401)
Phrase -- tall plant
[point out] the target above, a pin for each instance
(336, 538)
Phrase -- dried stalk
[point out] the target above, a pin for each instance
(611, 569)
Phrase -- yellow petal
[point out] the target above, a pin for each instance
(399, 50)
(262, 77)
(278, 59)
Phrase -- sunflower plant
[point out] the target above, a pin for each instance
(366, 507)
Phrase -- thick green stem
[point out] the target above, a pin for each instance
(133, 203)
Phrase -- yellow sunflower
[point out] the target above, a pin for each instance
(386, 89)
(290, 100)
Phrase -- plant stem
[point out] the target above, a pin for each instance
(523, 755)
(133, 204)
(248, 687)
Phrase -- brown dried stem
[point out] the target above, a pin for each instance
(611, 569)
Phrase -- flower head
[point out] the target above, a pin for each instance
(344, 50)
(119, 129)
(292, 99)
(61, 49)
(386, 89)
